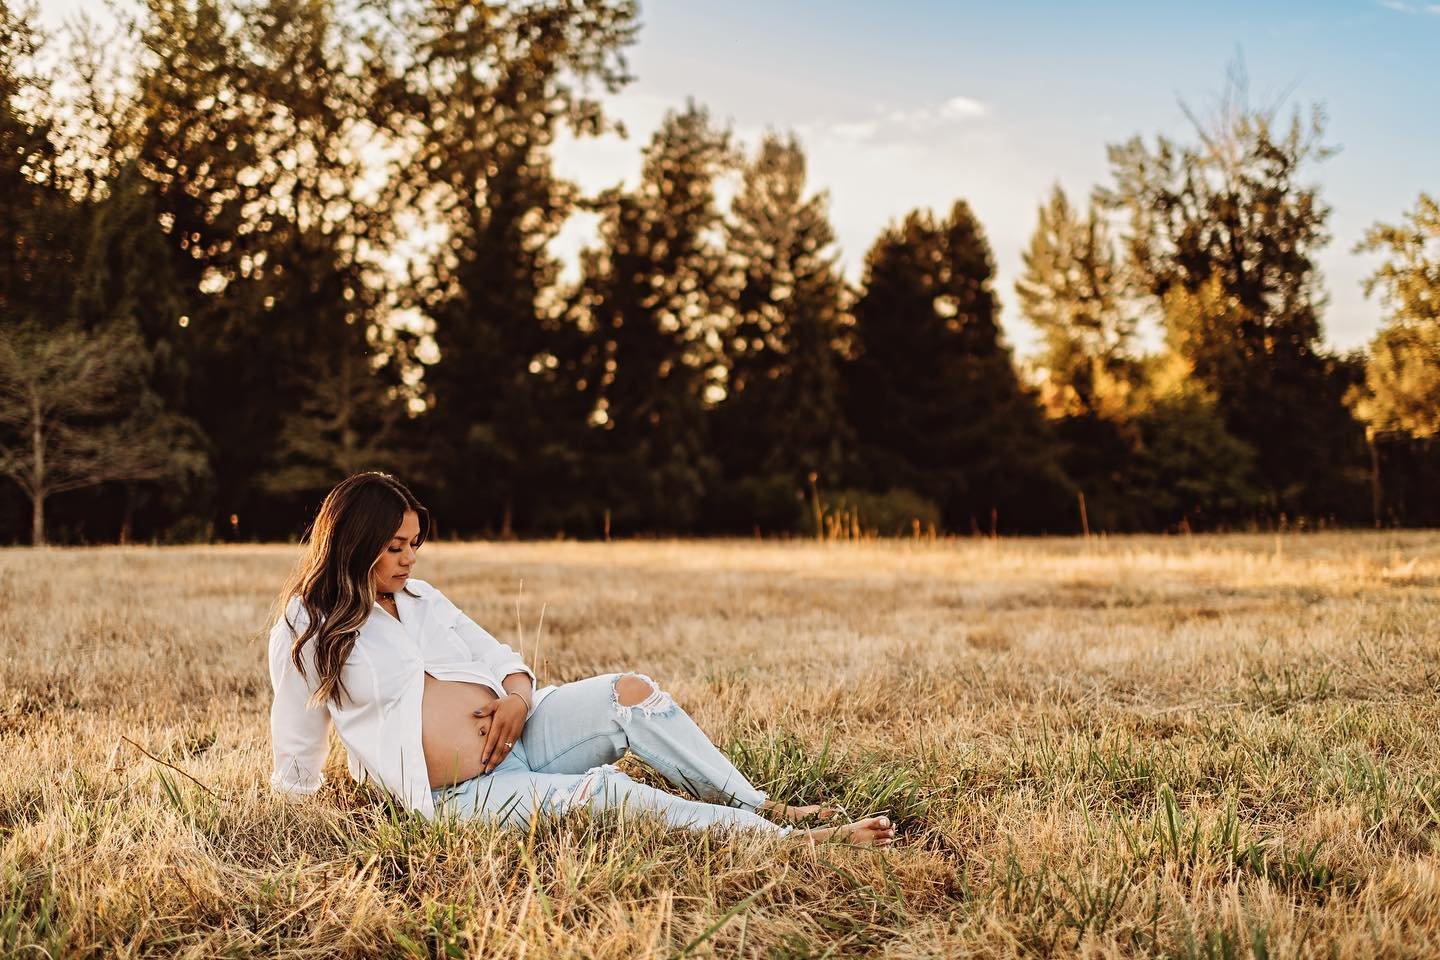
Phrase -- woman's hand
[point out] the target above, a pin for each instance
(506, 718)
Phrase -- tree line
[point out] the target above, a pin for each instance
(251, 246)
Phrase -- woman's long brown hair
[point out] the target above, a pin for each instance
(356, 521)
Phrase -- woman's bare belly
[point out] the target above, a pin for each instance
(450, 735)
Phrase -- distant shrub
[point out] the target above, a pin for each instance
(771, 503)
(848, 513)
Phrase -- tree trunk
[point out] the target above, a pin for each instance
(37, 449)
(1374, 477)
(127, 521)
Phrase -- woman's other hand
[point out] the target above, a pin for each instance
(506, 718)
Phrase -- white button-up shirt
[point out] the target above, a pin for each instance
(384, 677)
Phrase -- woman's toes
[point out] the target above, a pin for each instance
(879, 831)
(871, 831)
(813, 810)
(796, 812)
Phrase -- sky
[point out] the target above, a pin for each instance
(917, 103)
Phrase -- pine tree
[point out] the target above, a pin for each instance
(933, 394)
(780, 423)
(649, 303)
(1073, 293)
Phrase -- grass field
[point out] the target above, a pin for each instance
(1192, 747)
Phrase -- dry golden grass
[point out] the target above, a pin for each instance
(1206, 747)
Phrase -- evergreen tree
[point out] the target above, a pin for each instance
(780, 423)
(648, 303)
(126, 281)
(933, 394)
(1187, 471)
(1073, 292)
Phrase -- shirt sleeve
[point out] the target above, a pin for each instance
(299, 734)
(499, 658)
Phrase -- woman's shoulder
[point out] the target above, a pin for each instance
(424, 590)
(420, 588)
(293, 619)
(431, 596)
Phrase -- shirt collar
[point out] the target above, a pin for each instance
(406, 599)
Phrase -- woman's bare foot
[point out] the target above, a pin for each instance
(792, 812)
(870, 832)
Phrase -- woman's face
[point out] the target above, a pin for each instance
(393, 567)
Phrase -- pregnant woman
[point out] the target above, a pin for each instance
(447, 719)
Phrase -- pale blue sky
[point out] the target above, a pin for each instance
(909, 103)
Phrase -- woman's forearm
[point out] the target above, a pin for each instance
(520, 683)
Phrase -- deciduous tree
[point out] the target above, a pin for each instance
(69, 417)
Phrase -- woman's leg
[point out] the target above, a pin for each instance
(611, 789)
(592, 722)
(512, 794)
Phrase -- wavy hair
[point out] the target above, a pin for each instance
(356, 520)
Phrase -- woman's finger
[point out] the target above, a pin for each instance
(487, 751)
(505, 742)
(505, 726)
(500, 733)
(507, 737)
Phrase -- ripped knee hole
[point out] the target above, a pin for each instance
(635, 690)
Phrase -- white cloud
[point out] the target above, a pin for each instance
(896, 125)
(958, 107)
(1399, 5)
(863, 130)
(952, 110)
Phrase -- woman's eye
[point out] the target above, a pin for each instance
(393, 549)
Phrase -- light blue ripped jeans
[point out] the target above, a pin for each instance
(563, 761)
